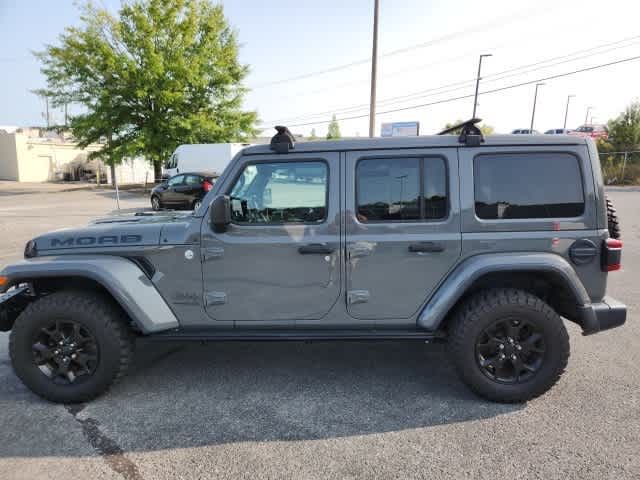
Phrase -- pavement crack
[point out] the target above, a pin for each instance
(106, 447)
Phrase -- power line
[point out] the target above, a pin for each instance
(444, 38)
(463, 84)
(486, 92)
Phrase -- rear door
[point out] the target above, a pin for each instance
(402, 230)
(279, 262)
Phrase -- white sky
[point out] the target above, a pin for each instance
(289, 38)
(516, 33)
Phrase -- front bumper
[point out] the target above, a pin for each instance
(609, 313)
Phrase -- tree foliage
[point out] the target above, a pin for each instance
(160, 74)
(334, 129)
(624, 130)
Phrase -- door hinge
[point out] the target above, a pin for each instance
(214, 298)
(211, 253)
(357, 296)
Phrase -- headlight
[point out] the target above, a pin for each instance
(30, 249)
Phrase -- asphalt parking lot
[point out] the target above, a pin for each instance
(319, 410)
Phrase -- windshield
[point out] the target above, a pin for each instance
(584, 129)
(172, 162)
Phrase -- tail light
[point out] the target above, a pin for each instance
(611, 255)
(207, 185)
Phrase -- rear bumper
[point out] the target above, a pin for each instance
(609, 313)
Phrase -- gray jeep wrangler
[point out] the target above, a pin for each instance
(486, 244)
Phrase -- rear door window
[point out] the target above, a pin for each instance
(401, 189)
(527, 185)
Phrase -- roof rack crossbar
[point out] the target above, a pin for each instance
(470, 134)
(283, 141)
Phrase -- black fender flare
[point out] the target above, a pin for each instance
(469, 270)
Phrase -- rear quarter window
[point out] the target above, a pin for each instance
(527, 185)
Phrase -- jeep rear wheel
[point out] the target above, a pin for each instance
(508, 345)
(70, 346)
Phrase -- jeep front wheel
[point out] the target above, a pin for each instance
(70, 346)
(508, 345)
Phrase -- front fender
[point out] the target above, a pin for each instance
(471, 269)
(123, 279)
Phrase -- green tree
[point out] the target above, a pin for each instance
(485, 129)
(159, 74)
(312, 135)
(334, 129)
(624, 130)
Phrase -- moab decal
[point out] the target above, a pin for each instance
(88, 241)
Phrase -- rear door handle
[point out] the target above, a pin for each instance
(426, 247)
(318, 248)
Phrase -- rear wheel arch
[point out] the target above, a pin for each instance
(548, 285)
(546, 275)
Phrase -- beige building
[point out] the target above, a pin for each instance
(36, 155)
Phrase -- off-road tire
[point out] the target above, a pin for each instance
(100, 316)
(613, 224)
(484, 309)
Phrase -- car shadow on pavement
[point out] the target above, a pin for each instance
(188, 395)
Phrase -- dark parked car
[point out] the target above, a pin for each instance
(182, 191)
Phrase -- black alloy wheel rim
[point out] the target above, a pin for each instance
(510, 351)
(66, 352)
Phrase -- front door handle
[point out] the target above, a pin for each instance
(426, 247)
(319, 248)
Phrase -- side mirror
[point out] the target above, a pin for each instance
(220, 213)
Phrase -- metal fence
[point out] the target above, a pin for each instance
(621, 168)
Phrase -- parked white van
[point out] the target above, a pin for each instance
(203, 157)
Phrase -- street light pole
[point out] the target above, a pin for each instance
(374, 70)
(586, 115)
(475, 98)
(535, 99)
(566, 111)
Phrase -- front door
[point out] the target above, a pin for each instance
(402, 230)
(279, 260)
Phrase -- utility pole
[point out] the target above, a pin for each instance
(586, 115)
(566, 111)
(535, 99)
(475, 98)
(374, 70)
(46, 106)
